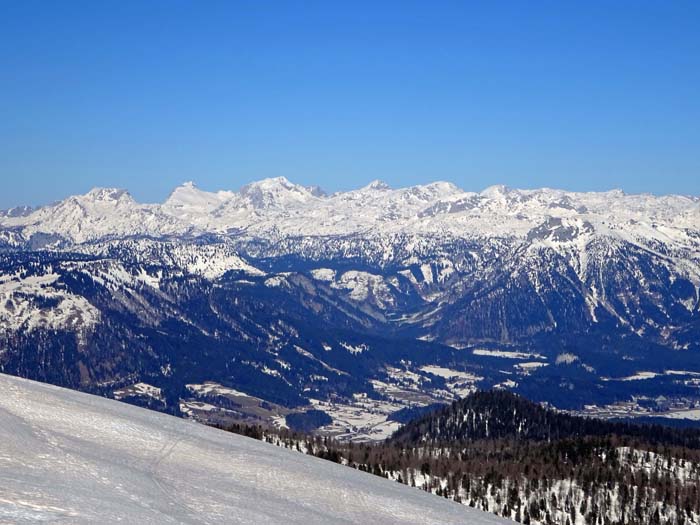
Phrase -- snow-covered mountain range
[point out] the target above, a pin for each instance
(277, 207)
(407, 296)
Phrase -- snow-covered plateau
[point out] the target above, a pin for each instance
(69, 457)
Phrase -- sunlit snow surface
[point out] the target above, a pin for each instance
(67, 457)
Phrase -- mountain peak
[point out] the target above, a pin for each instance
(108, 195)
(496, 191)
(377, 185)
(188, 195)
(269, 183)
(17, 211)
(275, 192)
(616, 192)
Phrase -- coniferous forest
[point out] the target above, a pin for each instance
(498, 452)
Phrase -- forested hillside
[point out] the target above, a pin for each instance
(501, 453)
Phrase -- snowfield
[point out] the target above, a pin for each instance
(68, 457)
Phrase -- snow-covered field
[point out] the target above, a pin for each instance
(364, 419)
(68, 457)
(505, 354)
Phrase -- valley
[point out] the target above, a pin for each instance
(358, 304)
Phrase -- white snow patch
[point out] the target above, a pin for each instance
(448, 373)
(83, 459)
(323, 274)
(693, 413)
(639, 376)
(507, 354)
(275, 281)
(356, 349)
(34, 302)
(527, 368)
(566, 358)
(458, 382)
(139, 389)
(508, 383)
(211, 388)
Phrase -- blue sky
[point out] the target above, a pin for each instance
(145, 95)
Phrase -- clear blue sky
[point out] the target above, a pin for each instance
(145, 95)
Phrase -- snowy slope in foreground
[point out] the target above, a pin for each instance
(67, 457)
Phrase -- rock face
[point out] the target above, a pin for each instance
(265, 289)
